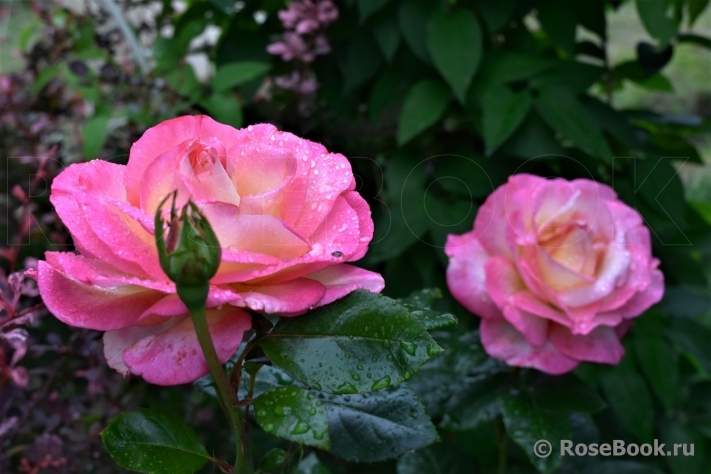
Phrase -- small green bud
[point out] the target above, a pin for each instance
(191, 253)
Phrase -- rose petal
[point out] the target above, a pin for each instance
(502, 280)
(341, 280)
(600, 345)
(171, 305)
(95, 272)
(169, 353)
(167, 135)
(502, 341)
(365, 224)
(89, 306)
(286, 299)
(556, 277)
(494, 215)
(532, 327)
(339, 231)
(267, 235)
(65, 188)
(550, 203)
(641, 301)
(528, 302)
(466, 277)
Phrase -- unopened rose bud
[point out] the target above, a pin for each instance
(190, 255)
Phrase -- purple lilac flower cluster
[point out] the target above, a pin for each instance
(305, 22)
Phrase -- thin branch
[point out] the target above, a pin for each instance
(127, 32)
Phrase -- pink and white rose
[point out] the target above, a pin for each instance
(284, 210)
(556, 269)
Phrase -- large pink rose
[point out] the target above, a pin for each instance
(556, 269)
(285, 212)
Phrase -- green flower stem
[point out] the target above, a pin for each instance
(194, 297)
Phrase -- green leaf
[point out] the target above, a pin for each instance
(673, 145)
(592, 16)
(628, 396)
(44, 78)
(273, 460)
(455, 43)
(575, 76)
(183, 80)
(673, 433)
(653, 59)
(661, 189)
(233, 74)
(153, 442)
(419, 305)
(412, 17)
(267, 378)
(496, 14)
(224, 108)
(563, 111)
(93, 136)
(363, 60)
(620, 467)
(448, 215)
(424, 105)
(191, 24)
(387, 34)
(503, 67)
(437, 459)
(534, 138)
(389, 90)
(559, 22)
(703, 209)
(612, 121)
(368, 427)
(447, 378)
(527, 423)
(695, 8)
(468, 177)
(686, 302)
(226, 6)
(311, 465)
(588, 48)
(401, 219)
(503, 112)
(656, 82)
(368, 7)
(693, 339)
(566, 394)
(478, 402)
(295, 414)
(363, 342)
(659, 362)
(656, 21)
(168, 53)
(375, 426)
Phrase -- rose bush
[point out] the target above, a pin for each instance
(284, 210)
(556, 269)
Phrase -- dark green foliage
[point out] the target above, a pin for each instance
(154, 442)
